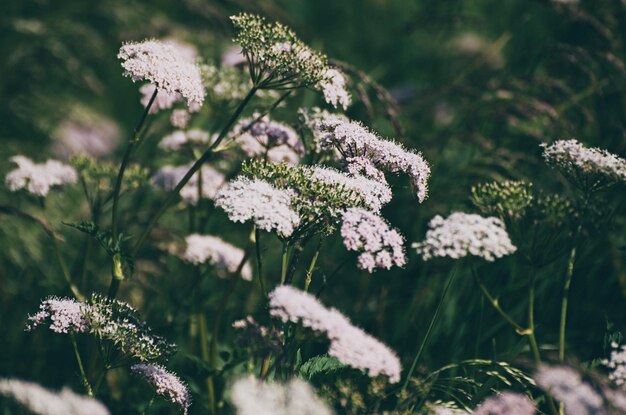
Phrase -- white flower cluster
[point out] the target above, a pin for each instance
(352, 139)
(574, 158)
(334, 88)
(463, 234)
(258, 201)
(65, 316)
(41, 401)
(163, 101)
(166, 384)
(617, 364)
(224, 257)
(212, 180)
(567, 386)
(38, 179)
(375, 194)
(349, 344)
(506, 403)
(253, 397)
(314, 118)
(164, 65)
(179, 138)
(368, 233)
(273, 140)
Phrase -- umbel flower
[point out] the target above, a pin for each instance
(616, 363)
(179, 139)
(109, 320)
(463, 234)
(165, 383)
(507, 200)
(349, 344)
(222, 256)
(167, 178)
(39, 400)
(566, 385)
(38, 179)
(165, 66)
(585, 166)
(352, 139)
(379, 245)
(253, 397)
(278, 59)
(313, 119)
(258, 201)
(506, 403)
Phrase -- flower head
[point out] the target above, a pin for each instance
(258, 201)
(41, 401)
(567, 386)
(179, 138)
(38, 179)
(166, 384)
(334, 88)
(349, 344)
(224, 257)
(378, 244)
(506, 403)
(353, 140)
(212, 181)
(576, 160)
(65, 316)
(508, 199)
(463, 234)
(253, 397)
(616, 363)
(165, 66)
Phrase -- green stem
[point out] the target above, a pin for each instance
(206, 356)
(205, 156)
(259, 262)
(433, 320)
(309, 273)
(285, 258)
(564, 301)
(80, 366)
(532, 339)
(494, 302)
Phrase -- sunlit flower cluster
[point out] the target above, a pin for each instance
(253, 397)
(211, 180)
(379, 245)
(506, 403)
(224, 257)
(256, 200)
(38, 179)
(164, 65)
(575, 159)
(39, 400)
(349, 344)
(352, 139)
(334, 88)
(165, 383)
(463, 234)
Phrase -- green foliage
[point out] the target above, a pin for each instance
(320, 366)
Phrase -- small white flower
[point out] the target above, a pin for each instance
(334, 88)
(225, 257)
(38, 179)
(165, 383)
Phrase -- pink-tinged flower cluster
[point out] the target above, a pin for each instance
(65, 316)
(254, 397)
(163, 101)
(506, 403)
(314, 119)
(224, 257)
(212, 180)
(273, 140)
(334, 88)
(574, 159)
(94, 135)
(165, 66)
(349, 344)
(38, 179)
(368, 233)
(463, 234)
(353, 139)
(258, 201)
(179, 138)
(41, 401)
(180, 118)
(166, 384)
(365, 167)
(567, 386)
(375, 194)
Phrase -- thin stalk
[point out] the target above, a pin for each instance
(494, 302)
(206, 356)
(564, 301)
(283, 269)
(433, 320)
(80, 366)
(309, 272)
(205, 156)
(259, 261)
(265, 366)
(532, 339)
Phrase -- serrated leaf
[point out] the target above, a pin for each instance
(320, 366)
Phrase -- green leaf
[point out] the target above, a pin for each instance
(320, 366)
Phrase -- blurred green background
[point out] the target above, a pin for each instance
(478, 84)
